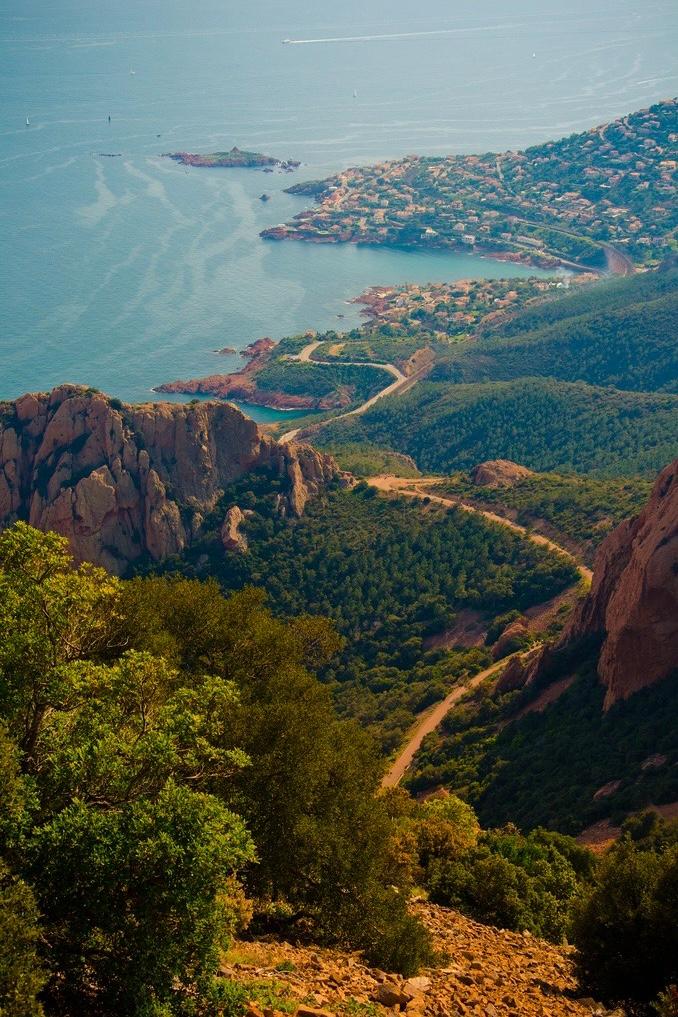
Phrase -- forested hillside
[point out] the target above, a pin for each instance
(630, 346)
(388, 575)
(607, 295)
(539, 422)
(544, 768)
(166, 759)
(578, 510)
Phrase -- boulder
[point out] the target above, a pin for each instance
(514, 635)
(231, 537)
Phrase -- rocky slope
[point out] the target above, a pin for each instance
(488, 972)
(122, 482)
(633, 603)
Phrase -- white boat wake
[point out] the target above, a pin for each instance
(397, 35)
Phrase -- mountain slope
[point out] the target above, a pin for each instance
(583, 731)
(629, 346)
(539, 422)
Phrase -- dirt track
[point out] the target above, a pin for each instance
(431, 720)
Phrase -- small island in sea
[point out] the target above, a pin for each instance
(237, 158)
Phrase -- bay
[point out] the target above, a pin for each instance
(123, 270)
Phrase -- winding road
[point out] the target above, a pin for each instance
(415, 488)
(430, 721)
(401, 383)
(411, 488)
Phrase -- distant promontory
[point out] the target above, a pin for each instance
(237, 158)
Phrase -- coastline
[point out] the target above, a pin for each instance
(525, 258)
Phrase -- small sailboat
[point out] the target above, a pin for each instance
(355, 93)
(132, 71)
(28, 121)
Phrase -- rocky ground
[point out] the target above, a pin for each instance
(485, 972)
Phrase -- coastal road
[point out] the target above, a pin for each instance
(402, 383)
(415, 488)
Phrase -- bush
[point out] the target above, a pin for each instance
(625, 928)
(513, 881)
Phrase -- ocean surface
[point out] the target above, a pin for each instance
(123, 272)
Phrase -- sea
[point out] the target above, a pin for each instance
(122, 269)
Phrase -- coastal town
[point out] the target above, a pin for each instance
(604, 199)
(408, 326)
(456, 310)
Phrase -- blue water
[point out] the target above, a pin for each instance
(125, 272)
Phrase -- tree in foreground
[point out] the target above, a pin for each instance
(131, 859)
(143, 720)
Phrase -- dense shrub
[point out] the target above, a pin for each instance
(625, 927)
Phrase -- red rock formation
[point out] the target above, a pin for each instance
(125, 481)
(231, 537)
(633, 603)
(634, 596)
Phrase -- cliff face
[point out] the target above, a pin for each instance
(634, 596)
(124, 481)
(632, 606)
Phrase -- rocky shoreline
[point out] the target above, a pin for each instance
(547, 262)
(242, 385)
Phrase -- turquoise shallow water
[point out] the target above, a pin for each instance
(125, 272)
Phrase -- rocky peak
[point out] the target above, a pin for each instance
(122, 481)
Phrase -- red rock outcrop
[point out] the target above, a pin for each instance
(633, 602)
(231, 537)
(634, 596)
(126, 481)
(499, 473)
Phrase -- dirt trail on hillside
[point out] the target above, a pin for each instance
(412, 488)
(416, 488)
(431, 721)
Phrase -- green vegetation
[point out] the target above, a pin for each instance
(237, 158)
(370, 460)
(464, 309)
(345, 383)
(607, 296)
(21, 973)
(627, 343)
(165, 752)
(578, 511)
(538, 422)
(389, 576)
(625, 926)
(544, 768)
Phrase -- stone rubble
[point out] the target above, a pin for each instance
(487, 972)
